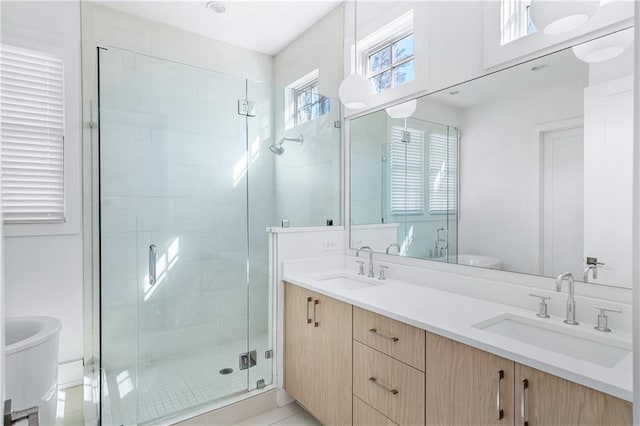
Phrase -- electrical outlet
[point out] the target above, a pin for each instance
(329, 245)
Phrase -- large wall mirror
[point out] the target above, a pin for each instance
(525, 170)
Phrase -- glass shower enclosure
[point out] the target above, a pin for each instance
(186, 181)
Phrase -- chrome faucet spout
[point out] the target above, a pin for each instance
(370, 250)
(571, 303)
(587, 270)
(396, 245)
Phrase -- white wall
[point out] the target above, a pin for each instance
(44, 272)
(499, 195)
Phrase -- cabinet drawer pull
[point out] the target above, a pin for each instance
(523, 412)
(499, 411)
(375, 382)
(315, 313)
(309, 320)
(375, 332)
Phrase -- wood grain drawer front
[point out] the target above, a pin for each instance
(391, 387)
(394, 338)
(364, 415)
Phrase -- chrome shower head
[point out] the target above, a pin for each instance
(277, 148)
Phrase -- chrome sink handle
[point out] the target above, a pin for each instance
(542, 306)
(603, 319)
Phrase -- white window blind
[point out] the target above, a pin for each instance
(32, 107)
(407, 171)
(443, 173)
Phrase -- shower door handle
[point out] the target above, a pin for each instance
(152, 264)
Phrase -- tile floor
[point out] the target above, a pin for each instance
(290, 415)
(69, 411)
(165, 388)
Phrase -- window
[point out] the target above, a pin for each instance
(308, 103)
(391, 63)
(443, 173)
(515, 20)
(407, 171)
(32, 107)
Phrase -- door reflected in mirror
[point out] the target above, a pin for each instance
(525, 170)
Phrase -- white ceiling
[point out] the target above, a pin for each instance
(262, 26)
(559, 67)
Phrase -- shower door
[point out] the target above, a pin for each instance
(174, 165)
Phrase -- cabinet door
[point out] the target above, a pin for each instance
(466, 386)
(297, 340)
(551, 401)
(332, 361)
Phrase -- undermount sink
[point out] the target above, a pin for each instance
(346, 282)
(606, 351)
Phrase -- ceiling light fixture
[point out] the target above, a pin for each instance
(604, 48)
(539, 67)
(216, 7)
(404, 110)
(557, 17)
(356, 90)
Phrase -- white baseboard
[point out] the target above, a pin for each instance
(70, 374)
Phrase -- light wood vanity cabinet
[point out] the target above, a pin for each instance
(467, 386)
(318, 354)
(462, 389)
(347, 365)
(551, 401)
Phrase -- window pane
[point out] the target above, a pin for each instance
(380, 60)
(403, 48)
(304, 114)
(324, 105)
(403, 73)
(382, 81)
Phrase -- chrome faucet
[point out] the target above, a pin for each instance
(370, 274)
(571, 303)
(588, 269)
(396, 245)
(592, 265)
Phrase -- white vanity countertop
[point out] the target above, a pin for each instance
(453, 315)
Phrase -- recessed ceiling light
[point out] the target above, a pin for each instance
(539, 67)
(454, 92)
(216, 6)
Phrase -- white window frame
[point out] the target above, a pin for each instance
(69, 49)
(393, 65)
(307, 82)
(518, 20)
(416, 136)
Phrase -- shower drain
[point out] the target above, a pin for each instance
(226, 371)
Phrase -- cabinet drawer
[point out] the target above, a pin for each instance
(388, 385)
(364, 415)
(394, 338)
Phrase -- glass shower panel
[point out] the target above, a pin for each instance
(175, 198)
(261, 207)
(119, 153)
(192, 207)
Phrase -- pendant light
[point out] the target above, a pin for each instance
(356, 90)
(557, 17)
(403, 110)
(604, 48)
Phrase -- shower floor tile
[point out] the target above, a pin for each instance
(170, 386)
